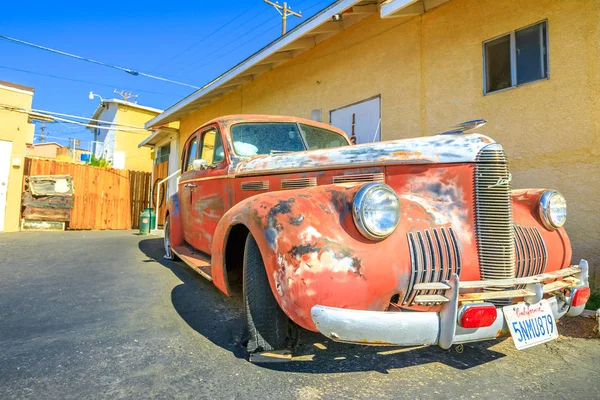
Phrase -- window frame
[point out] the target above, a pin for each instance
(513, 58)
(188, 145)
(298, 126)
(201, 134)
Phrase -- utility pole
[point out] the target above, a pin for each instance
(42, 138)
(284, 11)
(126, 95)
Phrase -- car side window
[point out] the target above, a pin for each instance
(212, 147)
(191, 154)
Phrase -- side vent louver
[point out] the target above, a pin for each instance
(298, 183)
(255, 185)
(378, 177)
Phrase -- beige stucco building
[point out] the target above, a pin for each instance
(530, 68)
(44, 150)
(16, 132)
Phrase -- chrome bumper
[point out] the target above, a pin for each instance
(408, 328)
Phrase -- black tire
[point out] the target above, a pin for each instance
(266, 323)
(169, 255)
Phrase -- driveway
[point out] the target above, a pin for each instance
(103, 315)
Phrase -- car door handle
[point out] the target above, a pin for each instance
(190, 185)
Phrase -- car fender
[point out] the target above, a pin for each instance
(526, 215)
(313, 253)
(176, 228)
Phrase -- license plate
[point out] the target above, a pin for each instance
(530, 324)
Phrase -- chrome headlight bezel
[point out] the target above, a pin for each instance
(358, 205)
(545, 210)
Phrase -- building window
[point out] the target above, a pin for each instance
(162, 154)
(516, 58)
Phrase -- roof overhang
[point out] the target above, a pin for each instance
(105, 102)
(305, 36)
(158, 135)
(407, 8)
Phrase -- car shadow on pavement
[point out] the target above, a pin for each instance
(219, 319)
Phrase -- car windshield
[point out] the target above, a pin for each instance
(283, 137)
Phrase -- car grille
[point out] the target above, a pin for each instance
(298, 183)
(435, 256)
(530, 249)
(494, 225)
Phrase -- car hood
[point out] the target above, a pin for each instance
(425, 150)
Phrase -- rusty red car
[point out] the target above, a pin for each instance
(404, 242)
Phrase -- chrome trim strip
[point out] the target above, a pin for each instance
(208, 178)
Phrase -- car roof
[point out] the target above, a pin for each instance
(228, 120)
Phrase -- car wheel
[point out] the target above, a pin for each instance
(169, 255)
(266, 323)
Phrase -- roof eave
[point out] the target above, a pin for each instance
(255, 60)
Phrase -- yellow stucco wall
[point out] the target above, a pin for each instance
(428, 71)
(136, 159)
(15, 128)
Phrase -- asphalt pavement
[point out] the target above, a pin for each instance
(103, 315)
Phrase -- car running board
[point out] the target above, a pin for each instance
(197, 261)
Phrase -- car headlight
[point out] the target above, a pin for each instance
(376, 211)
(553, 209)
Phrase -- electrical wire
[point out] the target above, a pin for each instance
(128, 70)
(271, 27)
(84, 118)
(82, 81)
(210, 34)
(110, 126)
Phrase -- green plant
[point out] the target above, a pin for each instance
(594, 301)
(99, 162)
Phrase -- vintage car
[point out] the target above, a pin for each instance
(403, 242)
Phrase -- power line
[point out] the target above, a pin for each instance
(110, 126)
(82, 81)
(220, 49)
(128, 70)
(269, 28)
(209, 35)
(52, 113)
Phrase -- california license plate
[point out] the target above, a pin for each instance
(530, 324)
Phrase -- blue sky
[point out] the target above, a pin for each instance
(147, 36)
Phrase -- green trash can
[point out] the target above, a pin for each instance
(147, 220)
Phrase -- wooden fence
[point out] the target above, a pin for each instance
(104, 198)
(161, 171)
(139, 193)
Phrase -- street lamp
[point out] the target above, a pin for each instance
(92, 95)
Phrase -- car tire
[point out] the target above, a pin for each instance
(169, 255)
(266, 323)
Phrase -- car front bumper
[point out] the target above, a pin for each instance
(411, 328)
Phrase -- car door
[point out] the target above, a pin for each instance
(186, 187)
(209, 193)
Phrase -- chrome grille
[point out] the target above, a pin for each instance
(495, 234)
(530, 251)
(298, 183)
(434, 255)
(377, 177)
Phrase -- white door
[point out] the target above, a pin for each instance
(360, 121)
(5, 153)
